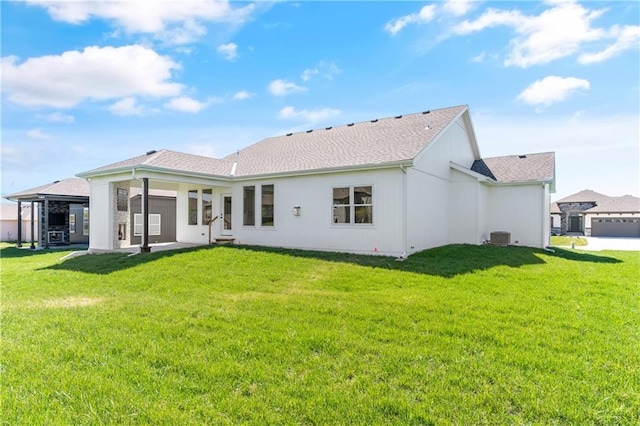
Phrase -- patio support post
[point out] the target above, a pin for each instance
(32, 246)
(19, 236)
(45, 237)
(144, 248)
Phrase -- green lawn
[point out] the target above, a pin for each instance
(238, 335)
(563, 241)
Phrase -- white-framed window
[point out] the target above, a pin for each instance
(266, 210)
(193, 207)
(249, 206)
(353, 204)
(154, 224)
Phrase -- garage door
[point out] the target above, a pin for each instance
(615, 227)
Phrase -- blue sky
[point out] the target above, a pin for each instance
(86, 84)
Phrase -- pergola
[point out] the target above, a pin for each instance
(72, 190)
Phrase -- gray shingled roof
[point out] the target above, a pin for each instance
(586, 196)
(172, 160)
(373, 142)
(68, 187)
(624, 204)
(517, 168)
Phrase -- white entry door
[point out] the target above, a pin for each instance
(227, 228)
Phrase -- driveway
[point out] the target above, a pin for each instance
(602, 243)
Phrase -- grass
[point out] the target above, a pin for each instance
(243, 335)
(563, 241)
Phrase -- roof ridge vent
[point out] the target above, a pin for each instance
(426, 112)
(350, 124)
(522, 156)
(309, 131)
(398, 116)
(56, 181)
(153, 151)
(289, 134)
(328, 128)
(374, 120)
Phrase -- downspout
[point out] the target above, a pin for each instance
(545, 217)
(405, 242)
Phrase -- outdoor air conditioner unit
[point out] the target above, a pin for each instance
(500, 238)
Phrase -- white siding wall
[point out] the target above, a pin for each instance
(518, 210)
(427, 211)
(101, 215)
(465, 205)
(435, 202)
(453, 145)
(314, 229)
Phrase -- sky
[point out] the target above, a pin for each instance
(89, 83)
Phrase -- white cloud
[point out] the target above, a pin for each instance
(283, 88)
(557, 32)
(57, 117)
(242, 95)
(479, 57)
(96, 73)
(37, 134)
(457, 7)
(552, 89)
(327, 70)
(229, 51)
(185, 104)
(313, 116)
(626, 37)
(426, 14)
(175, 22)
(126, 106)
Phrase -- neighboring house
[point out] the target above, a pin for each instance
(590, 213)
(618, 217)
(392, 186)
(556, 219)
(63, 211)
(9, 222)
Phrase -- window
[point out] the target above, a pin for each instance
(249, 206)
(122, 199)
(72, 223)
(193, 207)
(85, 221)
(207, 212)
(353, 204)
(154, 224)
(267, 205)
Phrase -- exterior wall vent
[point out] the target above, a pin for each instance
(500, 238)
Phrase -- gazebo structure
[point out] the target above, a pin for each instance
(63, 212)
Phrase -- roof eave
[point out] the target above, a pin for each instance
(340, 169)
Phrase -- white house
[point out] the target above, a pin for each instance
(391, 186)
